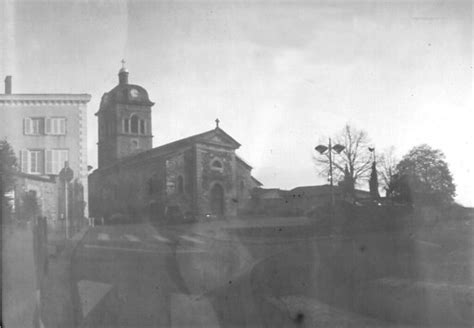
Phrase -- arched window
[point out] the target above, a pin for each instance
(180, 184)
(134, 124)
(216, 164)
(135, 144)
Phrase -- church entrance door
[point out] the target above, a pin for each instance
(217, 199)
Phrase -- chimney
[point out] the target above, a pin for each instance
(8, 85)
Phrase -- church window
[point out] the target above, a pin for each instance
(216, 164)
(134, 124)
(180, 184)
(135, 144)
(126, 125)
(142, 126)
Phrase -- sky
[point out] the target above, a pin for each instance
(280, 76)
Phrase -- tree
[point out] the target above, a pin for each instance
(387, 168)
(8, 166)
(374, 182)
(354, 155)
(424, 173)
(399, 189)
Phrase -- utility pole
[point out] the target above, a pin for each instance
(66, 175)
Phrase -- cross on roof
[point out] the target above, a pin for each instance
(217, 122)
(123, 63)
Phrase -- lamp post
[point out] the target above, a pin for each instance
(329, 148)
(66, 175)
(372, 150)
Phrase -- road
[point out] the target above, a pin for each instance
(141, 276)
(194, 276)
(19, 281)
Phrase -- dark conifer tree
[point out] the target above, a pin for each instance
(374, 183)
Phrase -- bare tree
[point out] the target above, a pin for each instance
(355, 155)
(387, 166)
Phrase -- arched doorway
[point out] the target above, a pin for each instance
(217, 199)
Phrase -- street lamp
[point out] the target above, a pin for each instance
(372, 150)
(330, 148)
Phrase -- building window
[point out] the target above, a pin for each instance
(55, 160)
(134, 124)
(33, 126)
(35, 161)
(126, 125)
(56, 126)
(242, 189)
(135, 144)
(142, 126)
(180, 184)
(37, 126)
(216, 164)
(32, 161)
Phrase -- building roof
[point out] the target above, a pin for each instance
(269, 193)
(240, 160)
(44, 98)
(313, 190)
(303, 191)
(322, 190)
(125, 94)
(215, 136)
(258, 183)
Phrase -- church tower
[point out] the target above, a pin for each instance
(124, 121)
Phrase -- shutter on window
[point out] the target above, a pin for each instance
(62, 126)
(24, 159)
(56, 166)
(47, 126)
(27, 125)
(40, 162)
(49, 162)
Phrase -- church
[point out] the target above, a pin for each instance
(199, 175)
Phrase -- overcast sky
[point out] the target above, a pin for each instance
(279, 75)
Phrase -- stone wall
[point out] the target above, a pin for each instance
(46, 191)
(127, 188)
(208, 175)
(244, 185)
(183, 178)
(179, 181)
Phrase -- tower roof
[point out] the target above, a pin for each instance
(125, 93)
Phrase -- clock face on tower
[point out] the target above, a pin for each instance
(134, 93)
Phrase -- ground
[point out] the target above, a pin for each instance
(274, 272)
